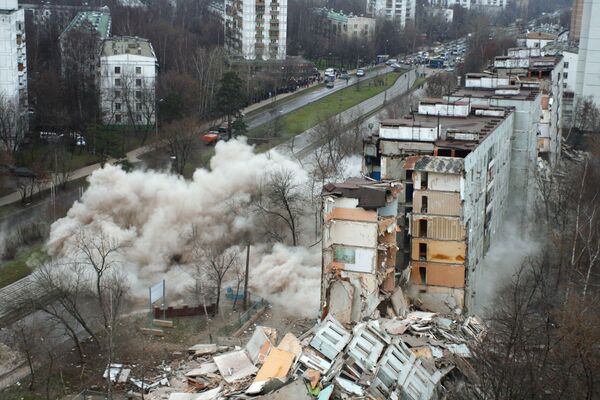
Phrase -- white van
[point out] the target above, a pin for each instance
(330, 72)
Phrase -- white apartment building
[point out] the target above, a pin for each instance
(256, 29)
(400, 11)
(13, 56)
(588, 68)
(491, 4)
(127, 77)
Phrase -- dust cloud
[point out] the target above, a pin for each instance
(152, 215)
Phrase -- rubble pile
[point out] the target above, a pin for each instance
(417, 357)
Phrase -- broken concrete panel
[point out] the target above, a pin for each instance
(399, 302)
(206, 368)
(330, 338)
(350, 387)
(354, 259)
(326, 393)
(235, 365)
(203, 349)
(277, 365)
(459, 349)
(365, 348)
(311, 360)
(260, 344)
(438, 274)
(351, 233)
(340, 300)
(439, 251)
(436, 298)
(295, 390)
(290, 343)
(394, 327)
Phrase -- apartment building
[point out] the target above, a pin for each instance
(576, 17)
(127, 77)
(337, 24)
(13, 55)
(453, 161)
(81, 41)
(527, 138)
(450, 3)
(535, 39)
(491, 5)
(401, 11)
(588, 66)
(359, 247)
(545, 73)
(256, 29)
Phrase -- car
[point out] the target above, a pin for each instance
(360, 72)
(329, 85)
(344, 76)
(330, 72)
(22, 172)
(391, 61)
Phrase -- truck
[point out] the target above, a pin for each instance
(436, 63)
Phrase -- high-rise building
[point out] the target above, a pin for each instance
(13, 57)
(256, 29)
(588, 66)
(576, 15)
(395, 10)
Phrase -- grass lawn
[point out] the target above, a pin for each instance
(312, 114)
(13, 270)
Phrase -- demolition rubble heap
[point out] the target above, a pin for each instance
(418, 357)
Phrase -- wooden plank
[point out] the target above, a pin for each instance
(154, 332)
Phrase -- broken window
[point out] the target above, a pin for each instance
(423, 251)
(424, 204)
(423, 228)
(423, 275)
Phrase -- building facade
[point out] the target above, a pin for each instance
(450, 3)
(13, 55)
(359, 247)
(576, 16)
(332, 24)
(588, 67)
(81, 41)
(401, 11)
(536, 39)
(256, 29)
(127, 78)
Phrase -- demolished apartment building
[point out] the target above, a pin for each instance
(453, 159)
(527, 134)
(359, 247)
(530, 68)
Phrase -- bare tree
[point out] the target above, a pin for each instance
(179, 138)
(441, 84)
(13, 124)
(281, 198)
(212, 262)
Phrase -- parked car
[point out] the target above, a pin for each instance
(330, 72)
(329, 85)
(360, 72)
(391, 61)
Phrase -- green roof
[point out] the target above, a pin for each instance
(100, 20)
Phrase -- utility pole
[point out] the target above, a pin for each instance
(246, 276)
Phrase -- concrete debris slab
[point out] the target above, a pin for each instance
(124, 375)
(295, 390)
(399, 302)
(203, 349)
(394, 327)
(350, 387)
(436, 352)
(330, 338)
(290, 343)
(459, 349)
(261, 343)
(206, 368)
(235, 365)
(277, 365)
(420, 316)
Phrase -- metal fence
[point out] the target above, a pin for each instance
(256, 303)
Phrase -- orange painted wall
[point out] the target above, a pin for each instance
(438, 274)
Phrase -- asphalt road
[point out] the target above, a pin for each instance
(314, 95)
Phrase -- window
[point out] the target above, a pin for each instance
(422, 228)
(566, 64)
(138, 106)
(423, 180)
(118, 106)
(138, 94)
(117, 70)
(138, 82)
(423, 275)
(423, 251)
(117, 94)
(117, 82)
(565, 75)
(424, 204)
(138, 70)
(138, 117)
(118, 118)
